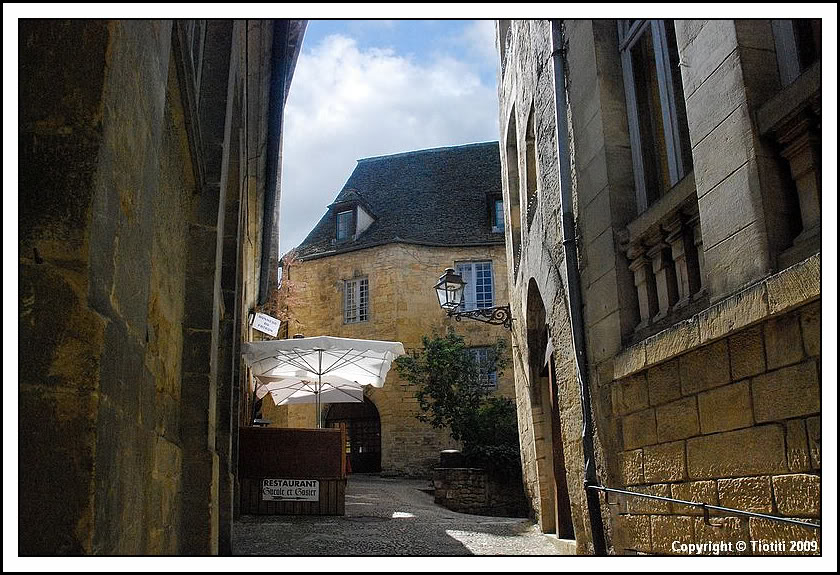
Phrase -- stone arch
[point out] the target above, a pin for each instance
(364, 433)
(554, 503)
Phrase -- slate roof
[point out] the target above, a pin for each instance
(436, 197)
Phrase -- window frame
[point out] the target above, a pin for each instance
(629, 35)
(196, 32)
(356, 285)
(352, 229)
(472, 285)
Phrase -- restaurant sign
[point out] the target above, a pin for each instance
(290, 490)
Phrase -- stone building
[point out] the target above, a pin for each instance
(368, 269)
(148, 200)
(676, 271)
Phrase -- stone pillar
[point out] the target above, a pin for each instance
(666, 279)
(734, 169)
(645, 285)
(679, 239)
(686, 243)
(204, 308)
(801, 148)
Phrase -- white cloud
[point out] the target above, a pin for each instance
(480, 38)
(346, 103)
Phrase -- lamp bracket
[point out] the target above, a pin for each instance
(499, 315)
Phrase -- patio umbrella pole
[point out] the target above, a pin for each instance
(318, 391)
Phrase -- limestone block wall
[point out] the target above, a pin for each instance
(121, 287)
(106, 181)
(731, 420)
(403, 307)
(738, 192)
(470, 490)
(531, 177)
(747, 204)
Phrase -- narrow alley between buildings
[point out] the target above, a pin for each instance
(389, 516)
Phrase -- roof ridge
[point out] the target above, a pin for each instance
(428, 150)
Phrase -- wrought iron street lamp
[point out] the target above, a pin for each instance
(450, 292)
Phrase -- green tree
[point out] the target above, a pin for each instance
(452, 394)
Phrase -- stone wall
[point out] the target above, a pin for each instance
(475, 491)
(538, 294)
(669, 381)
(95, 229)
(403, 307)
(126, 374)
(731, 421)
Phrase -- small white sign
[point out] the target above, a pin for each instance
(290, 489)
(266, 324)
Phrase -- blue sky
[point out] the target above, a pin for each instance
(373, 87)
(419, 39)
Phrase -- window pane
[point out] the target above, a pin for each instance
(483, 285)
(478, 288)
(484, 360)
(363, 300)
(651, 125)
(679, 99)
(499, 216)
(343, 225)
(356, 300)
(349, 302)
(465, 270)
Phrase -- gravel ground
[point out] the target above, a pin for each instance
(387, 517)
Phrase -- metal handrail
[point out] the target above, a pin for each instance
(706, 507)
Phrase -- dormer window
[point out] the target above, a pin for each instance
(345, 225)
(351, 219)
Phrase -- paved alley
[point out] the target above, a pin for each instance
(387, 516)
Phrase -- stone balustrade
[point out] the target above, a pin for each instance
(664, 247)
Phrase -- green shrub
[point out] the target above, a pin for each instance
(451, 395)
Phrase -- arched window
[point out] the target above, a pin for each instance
(531, 167)
(512, 164)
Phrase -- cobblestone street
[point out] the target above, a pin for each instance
(386, 516)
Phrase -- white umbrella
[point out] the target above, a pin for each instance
(288, 390)
(317, 365)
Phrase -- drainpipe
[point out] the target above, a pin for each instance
(573, 283)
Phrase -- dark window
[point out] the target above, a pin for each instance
(798, 45)
(344, 227)
(498, 216)
(531, 197)
(655, 107)
(512, 164)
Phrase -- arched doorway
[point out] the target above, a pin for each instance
(555, 506)
(363, 432)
